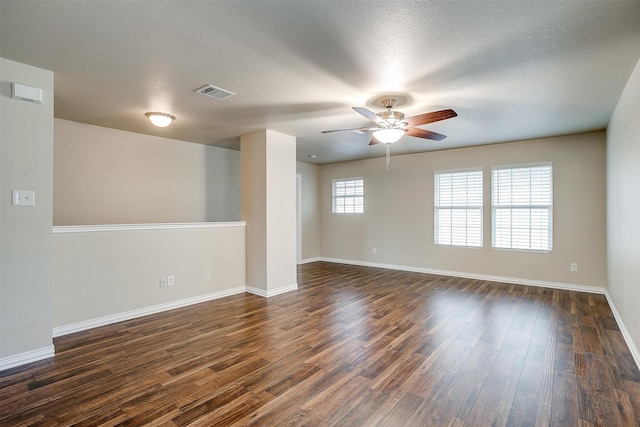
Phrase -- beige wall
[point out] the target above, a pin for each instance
(106, 273)
(268, 162)
(254, 206)
(108, 176)
(623, 207)
(310, 210)
(26, 161)
(281, 212)
(398, 218)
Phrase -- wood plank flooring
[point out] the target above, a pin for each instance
(354, 346)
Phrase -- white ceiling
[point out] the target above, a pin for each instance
(511, 70)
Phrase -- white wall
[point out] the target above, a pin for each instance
(26, 161)
(398, 218)
(623, 207)
(103, 276)
(108, 176)
(310, 210)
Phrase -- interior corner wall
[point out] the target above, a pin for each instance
(310, 209)
(254, 206)
(26, 248)
(623, 207)
(109, 176)
(281, 212)
(398, 217)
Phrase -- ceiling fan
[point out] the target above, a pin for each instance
(392, 125)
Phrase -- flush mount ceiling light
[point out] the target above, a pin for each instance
(162, 120)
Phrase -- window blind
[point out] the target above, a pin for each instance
(522, 202)
(458, 208)
(348, 196)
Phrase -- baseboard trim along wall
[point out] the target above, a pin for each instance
(273, 292)
(47, 352)
(128, 315)
(309, 260)
(514, 280)
(464, 275)
(27, 357)
(133, 314)
(623, 330)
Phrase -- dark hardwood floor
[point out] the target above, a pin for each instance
(354, 346)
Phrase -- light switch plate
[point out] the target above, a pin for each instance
(23, 198)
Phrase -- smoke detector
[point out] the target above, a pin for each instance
(214, 92)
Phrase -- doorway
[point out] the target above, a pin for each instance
(298, 219)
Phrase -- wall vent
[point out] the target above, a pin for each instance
(214, 92)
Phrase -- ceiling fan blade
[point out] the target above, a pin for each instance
(426, 134)
(374, 141)
(436, 116)
(344, 130)
(369, 114)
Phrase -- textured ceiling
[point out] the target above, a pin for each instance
(511, 70)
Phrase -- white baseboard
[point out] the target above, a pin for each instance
(518, 281)
(308, 260)
(282, 290)
(257, 291)
(44, 353)
(465, 275)
(27, 357)
(128, 315)
(272, 292)
(625, 333)
(35, 355)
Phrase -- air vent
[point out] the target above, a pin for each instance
(214, 92)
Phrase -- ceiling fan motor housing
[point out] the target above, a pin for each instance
(392, 118)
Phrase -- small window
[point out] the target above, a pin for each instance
(348, 196)
(522, 207)
(458, 208)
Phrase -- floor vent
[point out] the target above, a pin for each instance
(214, 92)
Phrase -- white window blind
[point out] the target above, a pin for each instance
(348, 196)
(522, 207)
(458, 208)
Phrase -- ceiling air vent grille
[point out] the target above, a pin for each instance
(214, 92)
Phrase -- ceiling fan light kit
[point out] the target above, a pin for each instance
(388, 136)
(161, 120)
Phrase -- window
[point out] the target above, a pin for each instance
(522, 207)
(458, 208)
(348, 196)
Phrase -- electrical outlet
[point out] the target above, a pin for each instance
(163, 282)
(374, 250)
(171, 280)
(574, 266)
(207, 274)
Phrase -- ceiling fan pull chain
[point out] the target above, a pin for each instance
(388, 154)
